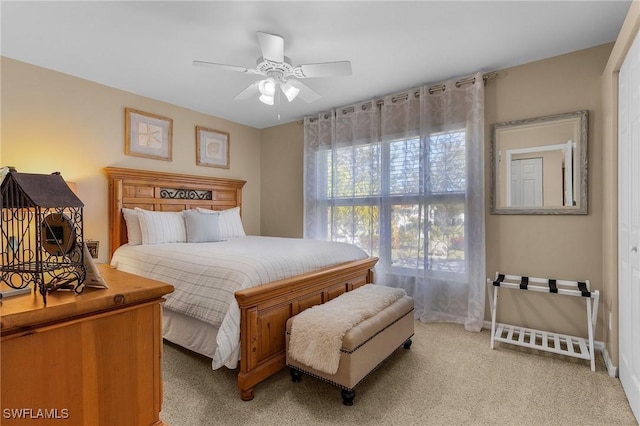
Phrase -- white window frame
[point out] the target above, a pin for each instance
(386, 205)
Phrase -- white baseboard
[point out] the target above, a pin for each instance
(599, 346)
(611, 369)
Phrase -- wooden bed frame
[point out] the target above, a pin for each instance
(264, 310)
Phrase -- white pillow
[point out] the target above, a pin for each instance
(202, 227)
(161, 227)
(134, 233)
(230, 222)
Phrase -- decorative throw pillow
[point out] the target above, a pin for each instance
(230, 222)
(134, 233)
(161, 227)
(202, 227)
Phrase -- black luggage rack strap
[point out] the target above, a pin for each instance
(544, 285)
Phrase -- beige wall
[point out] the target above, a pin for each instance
(628, 32)
(57, 122)
(282, 181)
(565, 247)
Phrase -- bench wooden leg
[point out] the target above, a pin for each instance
(348, 396)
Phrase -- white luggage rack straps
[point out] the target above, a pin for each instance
(575, 346)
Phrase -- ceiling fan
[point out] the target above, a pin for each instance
(281, 75)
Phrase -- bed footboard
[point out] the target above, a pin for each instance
(264, 312)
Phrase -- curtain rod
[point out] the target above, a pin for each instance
(433, 89)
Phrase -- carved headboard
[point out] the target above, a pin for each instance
(162, 191)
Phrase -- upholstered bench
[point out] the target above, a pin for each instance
(363, 346)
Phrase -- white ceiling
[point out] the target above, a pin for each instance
(148, 47)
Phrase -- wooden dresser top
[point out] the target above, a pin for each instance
(19, 314)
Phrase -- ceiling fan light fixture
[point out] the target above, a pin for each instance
(266, 99)
(267, 87)
(290, 91)
(275, 69)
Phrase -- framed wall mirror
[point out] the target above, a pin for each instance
(539, 165)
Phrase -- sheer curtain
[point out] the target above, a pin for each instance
(404, 180)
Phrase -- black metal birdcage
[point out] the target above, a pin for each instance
(42, 233)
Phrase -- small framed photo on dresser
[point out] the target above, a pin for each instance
(212, 148)
(147, 135)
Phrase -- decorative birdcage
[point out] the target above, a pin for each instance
(42, 233)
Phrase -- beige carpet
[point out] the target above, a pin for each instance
(448, 377)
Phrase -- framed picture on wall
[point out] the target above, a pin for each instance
(212, 148)
(147, 135)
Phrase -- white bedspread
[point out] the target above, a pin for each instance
(206, 275)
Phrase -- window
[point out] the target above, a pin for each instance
(403, 178)
(411, 191)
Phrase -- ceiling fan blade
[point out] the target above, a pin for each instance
(249, 92)
(272, 46)
(226, 67)
(324, 69)
(306, 93)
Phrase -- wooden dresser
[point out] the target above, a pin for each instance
(89, 359)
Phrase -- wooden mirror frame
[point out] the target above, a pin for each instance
(580, 162)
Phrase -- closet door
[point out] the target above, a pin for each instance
(629, 225)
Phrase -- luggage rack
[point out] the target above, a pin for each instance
(563, 344)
